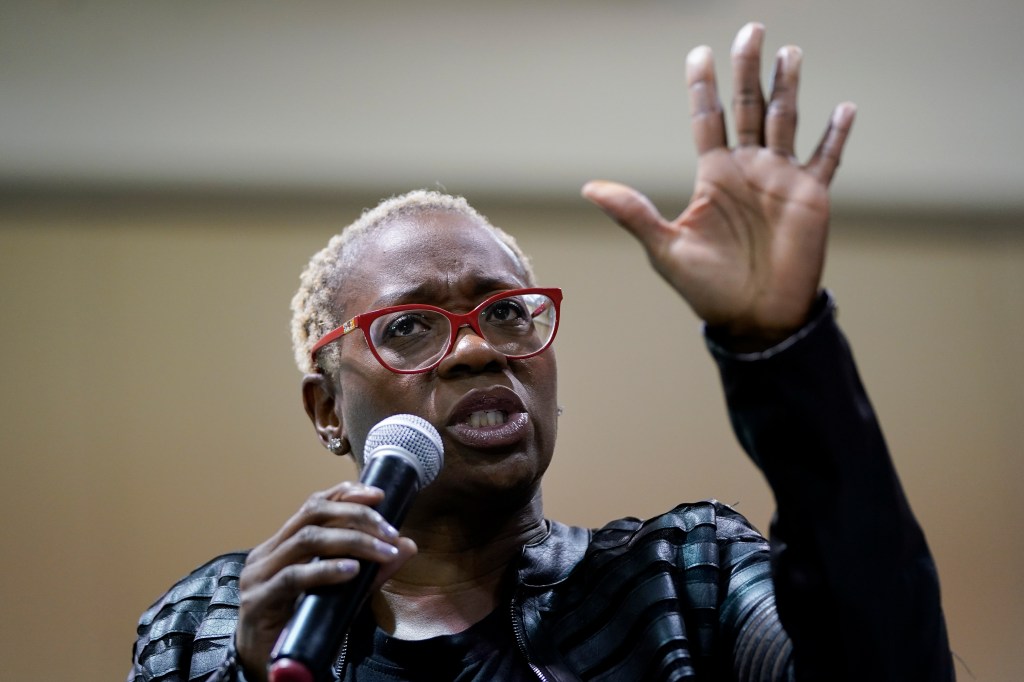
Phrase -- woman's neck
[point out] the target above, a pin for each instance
(457, 576)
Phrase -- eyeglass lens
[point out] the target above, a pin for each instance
(515, 325)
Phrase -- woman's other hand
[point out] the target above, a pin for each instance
(748, 252)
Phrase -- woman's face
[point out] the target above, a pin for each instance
(449, 260)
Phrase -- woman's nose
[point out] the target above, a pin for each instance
(472, 354)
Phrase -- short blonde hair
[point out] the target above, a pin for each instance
(314, 310)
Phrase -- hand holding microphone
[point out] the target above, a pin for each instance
(402, 455)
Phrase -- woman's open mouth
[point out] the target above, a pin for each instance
(489, 418)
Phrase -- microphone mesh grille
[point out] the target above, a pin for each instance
(414, 435)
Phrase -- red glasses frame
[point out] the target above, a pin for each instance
(456, 320)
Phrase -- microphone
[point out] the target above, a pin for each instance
(403, 454)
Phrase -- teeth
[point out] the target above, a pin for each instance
(487, 418)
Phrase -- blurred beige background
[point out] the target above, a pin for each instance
(166, 170)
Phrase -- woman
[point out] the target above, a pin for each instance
(479, 585)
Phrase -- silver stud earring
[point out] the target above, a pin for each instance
(335, 445)
(560, 412)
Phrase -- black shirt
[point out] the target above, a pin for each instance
(485, 652)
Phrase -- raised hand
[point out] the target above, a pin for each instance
(748, 251)
(338, 526)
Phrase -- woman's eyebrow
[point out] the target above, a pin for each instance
(431, 290)
(416, 294)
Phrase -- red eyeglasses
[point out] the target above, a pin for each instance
(413, 338)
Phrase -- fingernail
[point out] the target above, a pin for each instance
(347, 566)
(749, 32)
(592, 189)
(791, 55)
(742, 37)
(843, 114)
(385, 548)
(697, 56)
(388, 529)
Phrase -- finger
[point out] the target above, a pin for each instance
(747, 98)
(706, 118)
(347, 489)
(319, 509)
(306, 535)
(351, 515)
(781, 118)
(361, 494)
(314, 542)
(629, 208)
(826, 157)
(282, 589)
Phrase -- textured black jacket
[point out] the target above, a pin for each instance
(690, 594)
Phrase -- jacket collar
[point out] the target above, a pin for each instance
(551, 559)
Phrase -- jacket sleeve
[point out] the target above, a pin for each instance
(188, 633)
(855, 584)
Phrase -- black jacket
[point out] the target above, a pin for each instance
(691, 594)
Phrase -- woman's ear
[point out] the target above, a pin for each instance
(319, 399)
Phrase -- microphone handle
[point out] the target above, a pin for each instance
(309, 645)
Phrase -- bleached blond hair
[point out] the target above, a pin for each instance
(315, 305)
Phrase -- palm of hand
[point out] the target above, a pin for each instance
(748, 252)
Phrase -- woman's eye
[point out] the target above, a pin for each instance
(507, 310)
(406, 325)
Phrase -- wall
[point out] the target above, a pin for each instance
(150, 413)
(502, 97)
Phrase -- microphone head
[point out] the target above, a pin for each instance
(415, 439)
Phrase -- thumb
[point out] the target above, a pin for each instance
(628, 208)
